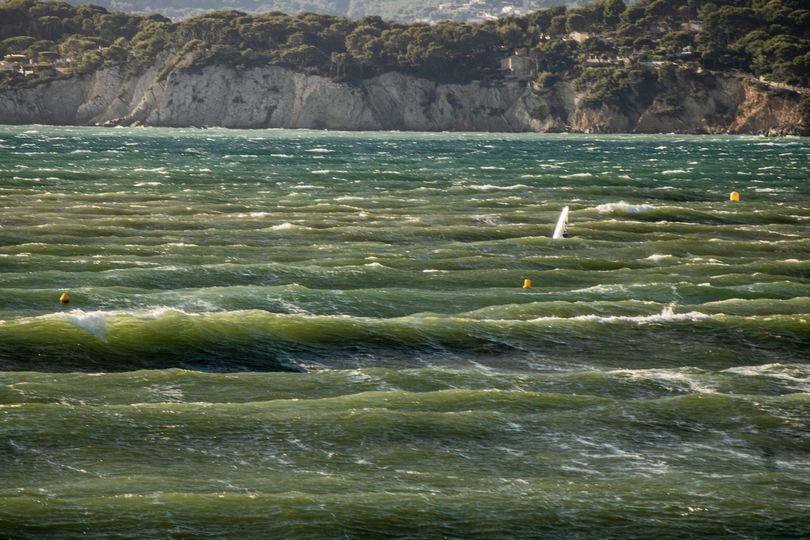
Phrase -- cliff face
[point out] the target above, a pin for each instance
(277, 97)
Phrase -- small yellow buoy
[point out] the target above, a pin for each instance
(65, 298)
(527, 283)
(734, 196)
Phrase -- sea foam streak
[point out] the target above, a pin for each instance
(623, 207)
(667, 315)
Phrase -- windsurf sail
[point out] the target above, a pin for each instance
(562, 224)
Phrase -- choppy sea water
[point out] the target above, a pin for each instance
(307, 334)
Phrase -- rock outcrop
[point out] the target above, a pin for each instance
(278, 97)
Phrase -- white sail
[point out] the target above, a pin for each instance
(562, 224)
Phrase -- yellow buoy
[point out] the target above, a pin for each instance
(734, 196)
(527, 283)
(65, 298)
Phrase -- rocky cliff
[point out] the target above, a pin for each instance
(278, 97)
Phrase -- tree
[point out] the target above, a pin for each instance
(612, 13)
(511, 35)
(16, 44)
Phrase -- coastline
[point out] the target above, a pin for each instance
(275, 97)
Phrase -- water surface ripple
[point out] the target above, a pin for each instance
(309, 334)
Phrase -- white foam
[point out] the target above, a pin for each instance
(622, 206)
(667, 315)
(677, 376)
(254, 214)
(327, 171)
(491, 187)
(94, 322)
(577, 175)
(674, 171)
(283, 226)
(798, 378)
(658, 257)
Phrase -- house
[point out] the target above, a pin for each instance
(16, 63)
(579, 37)
(40, 68)
(16, 58)
(693, 27)
(606, 60)
(519, 65)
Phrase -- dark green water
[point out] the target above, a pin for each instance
(307, 334)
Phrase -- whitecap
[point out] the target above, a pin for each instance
(94, 322)
(622, 206)
(667, 314)
(658, 257)
(490, 187)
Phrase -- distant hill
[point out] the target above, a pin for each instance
(650, 66)
(400, 10)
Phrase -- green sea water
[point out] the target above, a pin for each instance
(308, 334)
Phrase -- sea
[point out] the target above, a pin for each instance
(309, 334)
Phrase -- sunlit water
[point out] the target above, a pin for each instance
(299, 333)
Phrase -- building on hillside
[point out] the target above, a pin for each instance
(40, 69)
(16, 58)
(655, 64)
(15, 63)
(579, 37)
(519, 65)
(606, 60)
(693, 27)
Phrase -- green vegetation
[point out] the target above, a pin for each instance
(620, 46)
(399, 10)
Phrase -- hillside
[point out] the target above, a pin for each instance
(399, 10)
(652, 54)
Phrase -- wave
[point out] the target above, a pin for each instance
(165, 337)
(666, 315)
(283, 226)
(492, 187)
(648, 212)
(623, 207)
(172, 385)
(655, 257)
